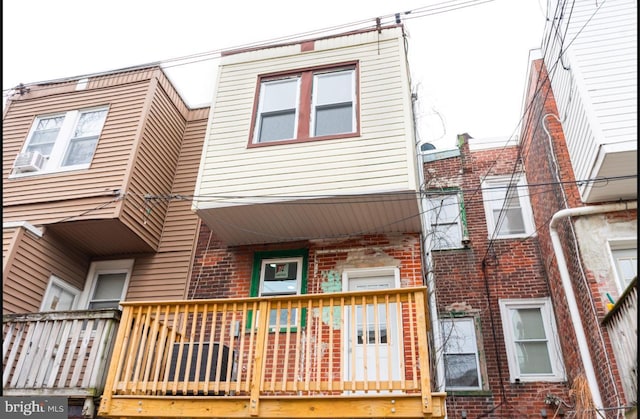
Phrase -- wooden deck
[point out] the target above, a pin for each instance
(356, 354)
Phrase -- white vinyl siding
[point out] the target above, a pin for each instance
(596, 91)
(381, 158)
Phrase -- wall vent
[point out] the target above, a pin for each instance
(31, 161)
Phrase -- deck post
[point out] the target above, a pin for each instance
(116, 357)
(260, 353)
(423, 351)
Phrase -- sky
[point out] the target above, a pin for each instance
(468, 58)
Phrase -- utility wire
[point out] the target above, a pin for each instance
(369, 23)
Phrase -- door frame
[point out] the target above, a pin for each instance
(359, 273)
(105, 267)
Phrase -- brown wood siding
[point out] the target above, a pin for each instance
(162, 276)
(55, 211)
(154, 168)
(9, 237)
(179, 230)
(56, 193)
(165, 274)
(25, 278)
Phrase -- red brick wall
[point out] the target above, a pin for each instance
(537, 157)
(225, 272)
(476, 278)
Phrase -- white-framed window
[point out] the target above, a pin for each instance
(507, 206)
(531, 339)
(306, 104)
(107, 284)
(333, 110)
(460, 351)
(624, 256)
(66, 140)
(278, 110)
(59, 296)
(445, 220)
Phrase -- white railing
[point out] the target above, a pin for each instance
(57, 353)
(622, 324)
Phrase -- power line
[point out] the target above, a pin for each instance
(369, 23)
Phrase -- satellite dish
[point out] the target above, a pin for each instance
(427, 147)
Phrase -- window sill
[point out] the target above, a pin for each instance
(469, 393)
(304, 140)
(47, 172)
(514, 236)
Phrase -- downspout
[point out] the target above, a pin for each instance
(576, 319)
(435, 328)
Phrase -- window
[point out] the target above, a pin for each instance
(461, 360)
(107, 284)
(507, 207)
(67, 141)
(279, 273)
(306, 104)
(530, 337)
(59, 296)
(333, 98)
(625, 260)
(445, 220)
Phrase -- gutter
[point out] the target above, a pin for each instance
(576, 319)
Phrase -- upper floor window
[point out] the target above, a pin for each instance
(461, 358)
(62, 142)
(531, 339)
(507, 207)
(445, 219)
(625, 260)
(306, 104)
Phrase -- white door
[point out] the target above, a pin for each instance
(59, 296)
(373, 351)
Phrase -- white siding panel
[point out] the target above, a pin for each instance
(374, 161)
(597, 95)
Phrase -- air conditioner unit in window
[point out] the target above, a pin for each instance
(31, 161)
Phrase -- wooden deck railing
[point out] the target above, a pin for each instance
(622, 324)
(244, 355)
(61, 353)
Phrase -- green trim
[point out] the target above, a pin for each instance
(258, 257)
(463, 215)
